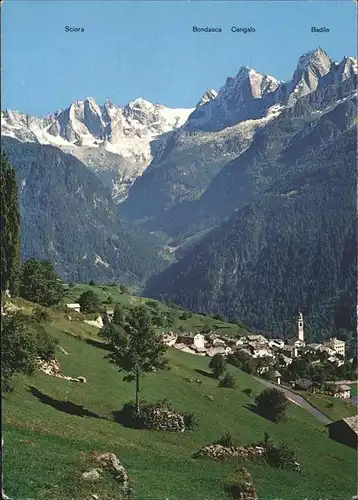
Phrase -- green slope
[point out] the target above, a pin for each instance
(194, 323)
(49, 433)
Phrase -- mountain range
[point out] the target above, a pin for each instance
(242, 206)
(223, 127)
(116, 143)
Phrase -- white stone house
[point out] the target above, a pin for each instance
(328, 350)
(257, 338)
(236, 342)
(192, 340)
(313, 347)
(74, 307)
(276, 343)
(287, 361)
(169, 338)
(337, 345)
(293, 341)
(98, 323)
(335, 360)
(290, 350)
(218, 341)
(342, 391)
(218, 350)
(262, 352)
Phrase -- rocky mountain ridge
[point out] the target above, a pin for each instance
(117, 143)
(223, 126)
(251, 95)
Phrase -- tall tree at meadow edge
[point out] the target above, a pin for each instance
(136, 347)
(10, 229)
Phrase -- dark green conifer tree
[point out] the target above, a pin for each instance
(10, 228)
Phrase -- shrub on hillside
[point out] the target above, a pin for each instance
(191, 421)
(248, 392)
(272, 404)
(118, 315)
(226, 440)
(170, 318)
(153, 304)
(45, 344)
(279, 455)
(40, 284)
(217, 365)
(228, 380)
(21, 345)
(89, 302)
(41, 315)
(124, 289)
(92, 283)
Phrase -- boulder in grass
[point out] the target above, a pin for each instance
(113, 465)
(92, 475)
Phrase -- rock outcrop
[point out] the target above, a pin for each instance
(244, 489)
(111, 463)
(52, 368)
(92, 475)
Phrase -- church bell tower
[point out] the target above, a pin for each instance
(299, 327)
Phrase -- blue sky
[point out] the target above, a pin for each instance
(147, 49)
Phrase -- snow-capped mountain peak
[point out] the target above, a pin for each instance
(85, 120)
(102, 136)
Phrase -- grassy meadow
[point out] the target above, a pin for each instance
(193, 324)
(50, 427)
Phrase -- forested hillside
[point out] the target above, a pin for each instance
(68, 217)
(294, 246)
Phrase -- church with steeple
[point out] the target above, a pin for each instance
(298, 340)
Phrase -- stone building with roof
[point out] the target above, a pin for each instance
(345, 431)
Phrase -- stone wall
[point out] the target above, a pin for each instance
(219, 452)
(162, 419)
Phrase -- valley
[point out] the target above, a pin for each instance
(179, 254)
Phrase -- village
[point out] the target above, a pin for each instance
(269, 358)
(270, 354)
